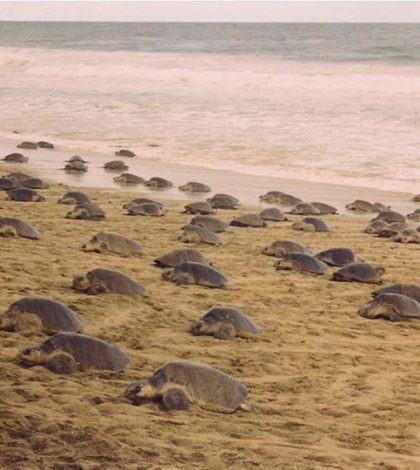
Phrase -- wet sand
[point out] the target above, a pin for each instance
(331, 390)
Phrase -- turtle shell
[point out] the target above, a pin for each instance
(194, 187)
(357, 272)
(281, 247)
(87, 211)
(129, 178)
(113, 243)
(202, 274)
(116, 282)
(210, 223)
(76, 166)
(74, 197)
(223, 201)
(158, 183)
(179, 256)
(243, 325)
(272, 213)
(304, 208)
(15, 158)
(395, 307)
(201, 207)
(24, 195)
(324, 208)
(390, 217)
(27, 145)
(8, 183)
(34, 183)
(248, 220)
(22, 228)
(304, 263)
(144, 200)
(336, 256)
(115, 165)
(409, 290)
(278, 197)
(147, 208)
(196, 233)
(124, 153)
(318, 224)
(44, 145)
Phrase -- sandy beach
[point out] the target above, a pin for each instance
(330, 389)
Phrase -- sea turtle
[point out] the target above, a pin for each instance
(66, 352)
(210, 223)
(101, 281)
(143, 200)
(8, 183)
(248, 220)
(304, 208)
(311, 224)
(147, 208)
(15, 158)
(201, 207)
(86, 211)
(197, 234)
(125, 153)
(195, 273)
(76, 167)
(225, 323)
(223, 201)
(179, 256)
(107, 242)
(414, 216)
(11, 227)
(302, 263)
(41, 315)
(116, 165)
(391, 229)
(363, 206)
(177, 384)
(416, 198)
(359, 272)
(375, 227)
(42, 144)
(389, 217)
(158, 183)
(273, 214)
(34, 183)
(280, 198)
(27, 145)
(325, 208)
(408, 235)
(194, 187)
(336, 256)
(76, 158)
(18, 176)
(128, 178)
(394, 307)
(74, 197)
(280, 248)
(25, 195)
(410, 290)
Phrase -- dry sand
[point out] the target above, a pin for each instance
(332, 390)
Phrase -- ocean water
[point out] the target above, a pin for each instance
(336, 103)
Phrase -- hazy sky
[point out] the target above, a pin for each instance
(237, 11)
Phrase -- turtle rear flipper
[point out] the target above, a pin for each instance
(61, 363)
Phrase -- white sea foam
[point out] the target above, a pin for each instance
(355, 124)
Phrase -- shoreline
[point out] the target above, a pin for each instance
(247, 188)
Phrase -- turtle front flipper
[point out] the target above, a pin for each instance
(61, 363)
(97, 288)
(8, 231)
(28, 322)
(224, 330)
(175, 399)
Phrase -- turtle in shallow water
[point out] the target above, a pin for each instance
(129, 178)
(65, 353)
(197, 234)
(359, 272)
(178, 384)
(225, 323)
(42, 144)
(34, 183)
(410, 290)
(223, 201)
(336, 256)
(143, 200)
(15, 158)
(248, 220)
(280, 248)
(408, 235)
(25, 195)
(394, 307)
(87, 211)
(76, 158)
(74, 198)
(325, 208)
(118, 165)
(125, 153)
(414, 216)
(363, 206)
(27, 145)
(273, 214)
(194, 187)
(376, 226)
(311, 224)
(179, 256)
(389, 217)
(76, 167)
(101, 281)
(210, 223)
(195, 273)
(41, 315)
(147, 208)
(280, 198)
(8, 183)
(302, 263)
(108, 242)
(200, 207)
(12, 227)
(158, 183)
(304, 208)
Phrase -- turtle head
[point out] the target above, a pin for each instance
(200, 327)
(380, 308)
(379, 270)
(94, 244)
(77, 213)
(7, 320)
(283, 264)
(81, 283)
(32, 356)
(140, 391)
